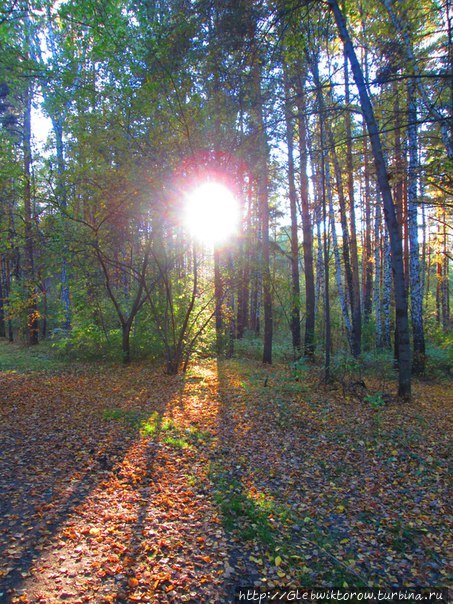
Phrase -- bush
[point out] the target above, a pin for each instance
(439, 359)
(86, 342)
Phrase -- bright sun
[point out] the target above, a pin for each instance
(211, 213)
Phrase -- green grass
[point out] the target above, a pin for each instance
(240, 513)
(176, 442)
(155, 426)
(132, 418)
(22, 359)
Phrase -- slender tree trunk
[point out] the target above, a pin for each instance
(356, 311)
(126, 341)
(263, 205)
(6, 280)
(336, 253)
(328, 191)
(418, 364)
(242, 322)
(325, 181)
(424, 264)
(327, 325)
(295, 284)
(398, 196)
(218, 293)
(367, 253)
(377, 277)
(32, 309)
(345, 244)
(445, 279)
(387, 290)
(231, 309)
(62, 199)
(414, 69)
(45, 311)
(439, 288)
(404, 383)
(3, 300)
(307, 227)
(367, 248)
(320, 274)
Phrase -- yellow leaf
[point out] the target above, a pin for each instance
(278, 561)
(256, 560)
(343, 541)
(94, 531)
(281, 574)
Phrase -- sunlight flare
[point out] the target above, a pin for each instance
(211, 213)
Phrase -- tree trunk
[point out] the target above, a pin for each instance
(345, 246)
(336, 253)
(295, 284)
(324, 185)
(367, 254)
(418, 364)
(262, 177)
(242, 322)
(414, 70)
(445, 280)
(2, 301)
(377, 277)
(356, 312)
(126, 342)
(387, 290)
(218, 294)
(404, 383)
(62, 199)
(32, 309)
(327, 325)
(307, 226)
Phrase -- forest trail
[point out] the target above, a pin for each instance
(121, 484)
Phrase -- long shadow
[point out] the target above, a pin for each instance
(307, 473)
(260, 456)
(57, 444)
(175, 544)
(245, 518)
(138, 482)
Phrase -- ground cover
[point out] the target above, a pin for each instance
(121, 484)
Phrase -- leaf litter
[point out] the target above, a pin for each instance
(133, 486)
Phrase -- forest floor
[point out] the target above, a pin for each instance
(122, 484)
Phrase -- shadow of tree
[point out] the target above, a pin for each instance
(151, 488)
(176, 545)
(58, 446)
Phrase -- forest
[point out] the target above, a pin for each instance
(225, 274)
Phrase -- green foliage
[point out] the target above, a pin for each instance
(20, 358)
(439, 356)
(375, 400)
(345, 368)
(176, 442)
(88, 341)
(154, 425)
(404, 537)
(251, 347)
(240, 512)
(300, 369)
(130, 417)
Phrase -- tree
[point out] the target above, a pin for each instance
(295, 284)
(402, 326)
